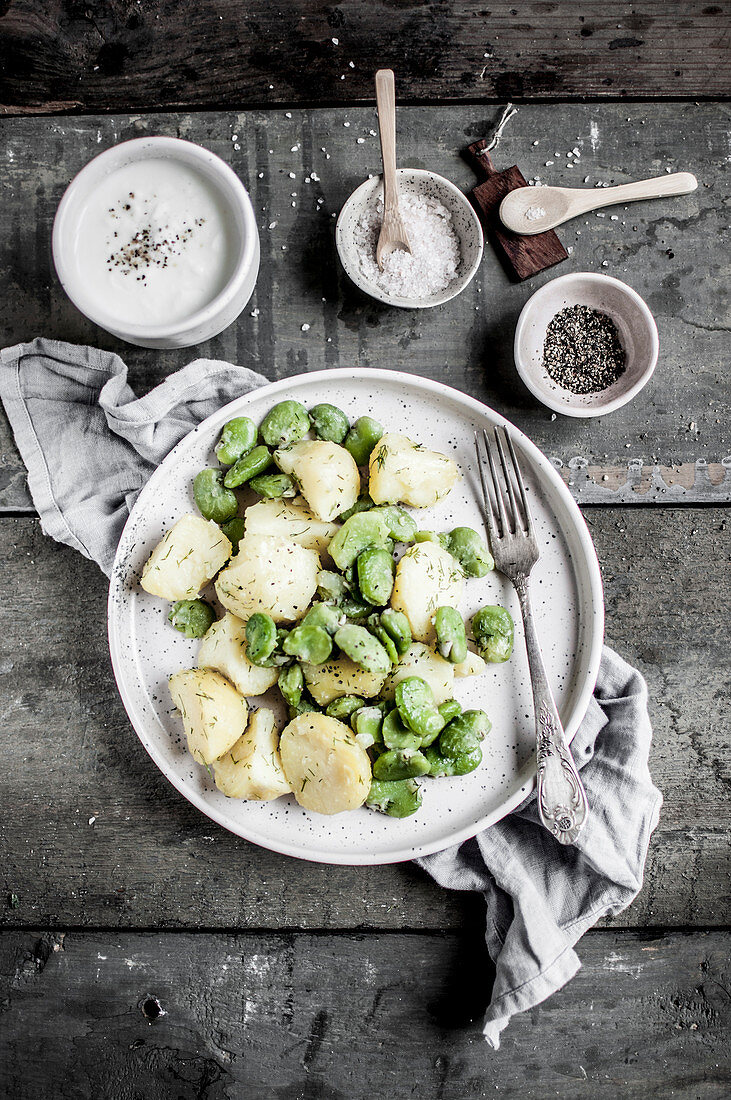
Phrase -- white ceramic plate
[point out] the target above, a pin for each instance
(567, 594)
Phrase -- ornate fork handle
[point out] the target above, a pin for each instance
(561, 797)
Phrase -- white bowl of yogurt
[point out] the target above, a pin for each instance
(155, 240)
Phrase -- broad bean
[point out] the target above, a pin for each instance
(470, 550)
(441, 766)
(396, 735)
(343, 707)
(449, 709)
(291, 684)
(273, 486)
(191, 617)
(331, 586)
(359, 644)
(375, 575)
(237, 438)
(358, 533)
(213, 499)
(397, 626)
(286, 423)
(308, 643)
(325, 616)
(398, 764)
(248, 466)
(451, 634)
(401, 525)
(431, 536)
(362, 504)
(329, 422)
(362, 438)
(368, 722)
(387, 642)
(418, 709)
(397, 799)
(233, 529)
(305, 706)
(464, 733)
(261, 637)
(493, 629)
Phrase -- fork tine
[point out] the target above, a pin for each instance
(488, 512)
(521, 486)
(518, 522)
(505, 526)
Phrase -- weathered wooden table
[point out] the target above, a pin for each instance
(143, 950)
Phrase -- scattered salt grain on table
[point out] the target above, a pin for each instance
(435, 257)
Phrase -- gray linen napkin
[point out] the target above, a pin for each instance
(90, 445)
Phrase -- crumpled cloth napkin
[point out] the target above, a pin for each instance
(90, 445)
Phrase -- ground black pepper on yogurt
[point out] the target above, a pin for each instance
(582, 351)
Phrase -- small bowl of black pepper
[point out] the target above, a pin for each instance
(585, 344)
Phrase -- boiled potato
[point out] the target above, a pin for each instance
(189, 556)
(472, 665)
(325, 474)
(291, 520)
(427, 577)
(404, 472)
(252, 768)
(224, 649)
(340, 676)
(328, 770)
(420, 660)
(214, 714)
(269, 574)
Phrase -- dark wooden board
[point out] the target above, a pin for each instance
(93, 835)
(59, 55)
(347, 1017)
(669, 444)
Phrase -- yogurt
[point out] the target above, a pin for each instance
(155, 242)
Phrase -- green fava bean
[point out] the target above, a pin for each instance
(362, 504)
(213, 499)
(418, 709)
(464, 733)
(451, 634)
(309, 643)
(191, 617)
(261, 637)
(358, 533)
(466, 761)
(469, 549)
(331, 586)
(343, 707)
(329, 422)
(397, 799)
(233, 529)
(305, 706)
(439, 766)
(285, 424)
(375, 575)
(400, 764)
(368, 722)
(396, 624)
(449, 709)
(273, 486)
(355, 609)
(325, 616)
(431, 536)
(387, 642)
(401, 526)
(396, 735)
(237, 438)
(362, 438)
(493, 629)
(359, 644)
(291, 684)
(255, 462)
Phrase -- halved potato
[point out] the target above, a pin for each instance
(420, 660)
(189, 556)
(328, 770)
(325, 473)
(273, 575)
(214, 714)
(341, 676)
(224, 648)
(252, 768)
(404, 472)
(291, 520)
(427, 577)
(472, 665)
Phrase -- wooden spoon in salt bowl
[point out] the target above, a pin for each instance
(531, 210)
(393, 232)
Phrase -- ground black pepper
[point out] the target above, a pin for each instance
(582, 351)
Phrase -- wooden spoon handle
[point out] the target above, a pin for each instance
(386, 102)
(678, 183)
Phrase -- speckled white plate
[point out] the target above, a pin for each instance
(568, 602)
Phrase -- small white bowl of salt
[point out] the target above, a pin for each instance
(444, 232)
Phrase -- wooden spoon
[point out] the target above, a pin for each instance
(531, 210)
(393, 234)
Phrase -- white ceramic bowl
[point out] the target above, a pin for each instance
(415, 181)
(225, 307)
(637, 332)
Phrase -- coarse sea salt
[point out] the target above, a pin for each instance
(533, 213)
(434, 259)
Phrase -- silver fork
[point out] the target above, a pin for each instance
(561, 797)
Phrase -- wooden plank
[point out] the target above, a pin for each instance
(57, 57)
(282, 1017)
(677, 427)
(93, 835)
